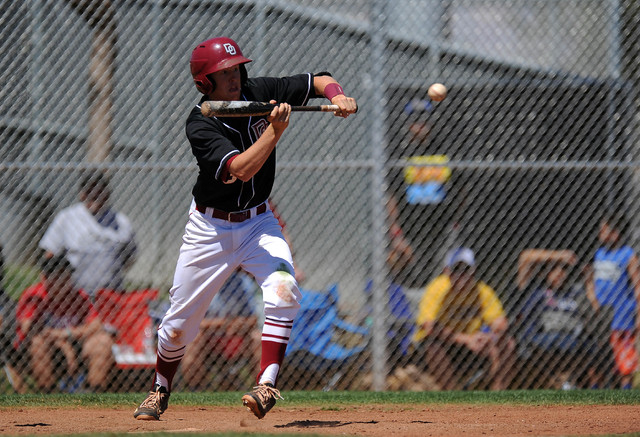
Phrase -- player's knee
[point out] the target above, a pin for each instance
(171, 338)
(282, 295)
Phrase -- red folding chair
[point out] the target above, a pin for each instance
(127, 314)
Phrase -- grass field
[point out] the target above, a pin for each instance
(327, 403)
(342, 399)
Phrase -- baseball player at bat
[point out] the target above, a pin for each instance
(230, 223)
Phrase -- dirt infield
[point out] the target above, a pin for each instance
(376, 420)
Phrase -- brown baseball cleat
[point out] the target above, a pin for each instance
(154, 405)
(261, 399)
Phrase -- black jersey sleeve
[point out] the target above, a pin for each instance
(295, 90)
(209, 143)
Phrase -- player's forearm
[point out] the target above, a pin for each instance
(321, 82)
(248, 163)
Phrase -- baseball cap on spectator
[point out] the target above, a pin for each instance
(417, 107)
(460, 255)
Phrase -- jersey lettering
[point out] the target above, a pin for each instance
(607, 270)
(259, 127)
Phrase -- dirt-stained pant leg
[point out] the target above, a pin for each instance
(267, 257)
(205, 262)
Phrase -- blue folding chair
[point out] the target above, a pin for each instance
(313, 346)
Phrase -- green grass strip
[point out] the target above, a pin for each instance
(341, 398)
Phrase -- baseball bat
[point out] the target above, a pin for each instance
(237, 108)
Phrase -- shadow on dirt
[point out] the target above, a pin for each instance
(321, 424)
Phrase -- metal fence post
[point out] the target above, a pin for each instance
(378, 115)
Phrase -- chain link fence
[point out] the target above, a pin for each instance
(529, 155)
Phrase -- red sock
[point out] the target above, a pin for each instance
(272, 353)
(166, 369)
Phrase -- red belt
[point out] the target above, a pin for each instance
(235, 217)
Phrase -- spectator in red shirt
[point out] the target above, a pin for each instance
(52, 316)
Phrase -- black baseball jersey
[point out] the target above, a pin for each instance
(216, 139)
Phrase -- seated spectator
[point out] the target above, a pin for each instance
(98, 241)
(56, 320)
(554, 329)
(7, 311)
(461, 323)
(7, 326)
(229, 338)
(615, 284)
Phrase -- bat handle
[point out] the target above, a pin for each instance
(318, 108)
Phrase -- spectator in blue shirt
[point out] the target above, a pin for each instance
(615, 283)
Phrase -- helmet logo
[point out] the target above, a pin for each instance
(229, 48)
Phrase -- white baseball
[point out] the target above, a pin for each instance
(437, 92)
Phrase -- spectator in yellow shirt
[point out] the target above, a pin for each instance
(461, 324)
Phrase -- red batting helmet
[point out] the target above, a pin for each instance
(213, 55)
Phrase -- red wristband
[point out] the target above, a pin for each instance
(226, 174)
(332, 90)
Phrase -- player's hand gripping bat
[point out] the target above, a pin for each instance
(238, 108)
